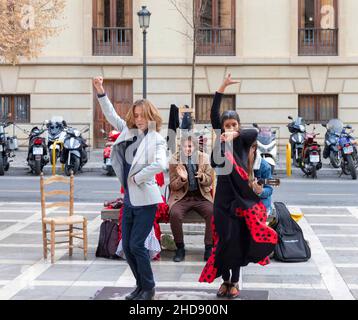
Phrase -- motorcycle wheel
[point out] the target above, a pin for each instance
(314, 172)
(351, 167)
(2, 169)
(335, 162)
(296, 161)
(74, 166)
(37, 168)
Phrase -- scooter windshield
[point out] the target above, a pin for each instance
(335, 126)
(265, 136)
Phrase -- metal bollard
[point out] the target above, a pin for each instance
(288, 160)
(54, 157)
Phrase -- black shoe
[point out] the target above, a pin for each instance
(133, 294)
(207, 254)
(179, 255)
(145, 295)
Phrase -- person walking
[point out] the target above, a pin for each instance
(137, 156)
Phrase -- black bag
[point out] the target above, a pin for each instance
(108, 240)
(291, 246)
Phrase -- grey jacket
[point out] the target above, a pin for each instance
(149, 160)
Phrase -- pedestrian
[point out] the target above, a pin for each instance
(240, 232)
(191, 178)
(137, 156)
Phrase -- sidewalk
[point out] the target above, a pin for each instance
(329, 274)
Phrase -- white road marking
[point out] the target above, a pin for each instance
(354, 212)
(334, 224)
(347, 265)
(330, 275)
(327, 215)
(337, 235)
(341, 248)
(331, 194)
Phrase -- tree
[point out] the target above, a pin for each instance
(25, 25)
(196, 9)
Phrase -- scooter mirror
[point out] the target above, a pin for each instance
(86, 130)
(255, 125)
(349, 126)
(289, 117)
(274, 132)
(324, 125)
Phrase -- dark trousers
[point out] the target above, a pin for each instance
(136, 225)
(235, 275)
(197, 203)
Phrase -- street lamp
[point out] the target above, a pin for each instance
(144, 18)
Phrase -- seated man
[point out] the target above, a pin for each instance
(263, 170)
(190, 189)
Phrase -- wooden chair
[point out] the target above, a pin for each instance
(70, 220)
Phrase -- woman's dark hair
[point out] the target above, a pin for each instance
(229, 114)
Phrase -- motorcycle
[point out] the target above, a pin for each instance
(111, 138)
(348, 153)
(331, 142)
(74, 154)
(297, 128)
(56, 132)
(7, 147)
(311, 155)
(267, 144)
(37, 156)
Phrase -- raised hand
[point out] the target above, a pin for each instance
(98, 84)
(227, 82)
(183, 174)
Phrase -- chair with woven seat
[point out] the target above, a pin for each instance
(71, 220)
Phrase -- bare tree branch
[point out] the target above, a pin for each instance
(174, 3)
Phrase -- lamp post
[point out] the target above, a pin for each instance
(144, 18)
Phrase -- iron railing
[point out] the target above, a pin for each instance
(112, 41)
(317, 42)
(215, 42)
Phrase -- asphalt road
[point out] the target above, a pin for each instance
(328, 190)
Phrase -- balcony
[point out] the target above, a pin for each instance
(215, 42)
(112, 41)
(317, 42)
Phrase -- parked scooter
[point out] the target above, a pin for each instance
(111, 138)
(7, 147)
(297, 128)
(331, 142)
(348, 152)
(37, 156)
(56, 132)
(267, 144)
(311, 155)
(74, 154)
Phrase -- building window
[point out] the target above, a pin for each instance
(15, 108)
(216, 27)
(203, 105)
(112, 28)
(318, 27)
(318, 108)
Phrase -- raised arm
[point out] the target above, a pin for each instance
(215, 109)
(107, 107)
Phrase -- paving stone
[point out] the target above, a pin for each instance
(279, 278)
(343, 256)
(324, 219)
(102, 273)
(16, 215)
(63, 273)
(350, 275)
(10, 271)
(339, 242)
(298, 294)
(18, 238)
(40, 293)
(5, 225)
(335, 230)
(325, 210)
(18, 253)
